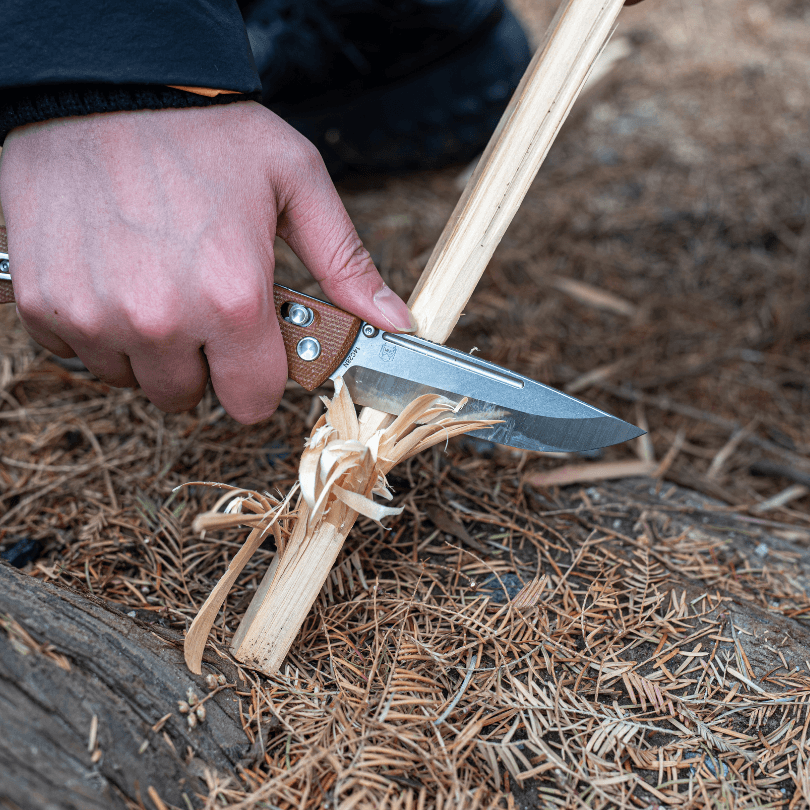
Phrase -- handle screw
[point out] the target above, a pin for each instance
(299, 315)
(369, 331)
(308, 349)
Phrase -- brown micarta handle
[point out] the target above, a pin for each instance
(6, 290)
(333, 328)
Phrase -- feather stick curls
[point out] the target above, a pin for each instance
(339, 476)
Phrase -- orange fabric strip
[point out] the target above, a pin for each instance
(201, 91)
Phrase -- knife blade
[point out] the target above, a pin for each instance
(386, 371)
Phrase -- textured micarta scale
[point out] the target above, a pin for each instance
(6, 292)
(335, 330)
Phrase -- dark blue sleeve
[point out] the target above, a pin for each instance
(71, 58)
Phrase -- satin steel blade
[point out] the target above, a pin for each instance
(387, 371)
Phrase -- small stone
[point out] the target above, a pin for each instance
(22, 552)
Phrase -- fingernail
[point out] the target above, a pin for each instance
(394, 310)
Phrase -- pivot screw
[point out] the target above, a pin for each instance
(369, 331)
(299, 315)
(308, 349)
(4, 266)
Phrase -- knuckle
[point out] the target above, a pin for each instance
(242, 307)
(118, 378)
(152, 324)
(307, 157)
(254, 397)
(178, 402)
(88, 323)
(30, 303)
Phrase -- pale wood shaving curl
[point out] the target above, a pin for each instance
(336, 466)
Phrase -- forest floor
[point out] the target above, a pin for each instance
(658, 269)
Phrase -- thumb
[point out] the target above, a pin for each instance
(314, 223)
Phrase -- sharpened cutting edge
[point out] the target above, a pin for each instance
(387, 371)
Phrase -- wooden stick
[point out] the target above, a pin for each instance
(493, 194)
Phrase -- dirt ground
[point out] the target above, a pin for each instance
(678, 201)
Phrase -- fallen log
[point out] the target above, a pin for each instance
(89, 706)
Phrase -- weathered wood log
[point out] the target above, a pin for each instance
(493, 195)
(124, 676)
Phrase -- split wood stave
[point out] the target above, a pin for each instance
(490, 200)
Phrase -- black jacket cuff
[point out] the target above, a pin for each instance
(27, 105)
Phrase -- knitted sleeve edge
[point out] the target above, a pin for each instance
(28, 105)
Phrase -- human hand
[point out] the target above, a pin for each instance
(143, 243)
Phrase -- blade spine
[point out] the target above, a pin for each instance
(529, 385)
(403, 340)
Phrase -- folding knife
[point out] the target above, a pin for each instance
(387, 370)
